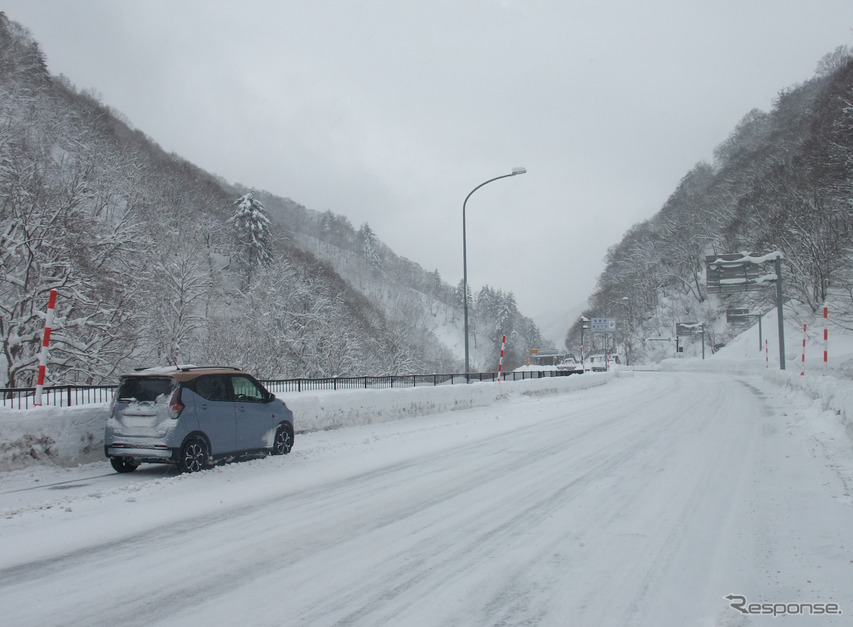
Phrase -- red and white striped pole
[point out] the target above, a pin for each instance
(48, 324)
(803, 364)
(501, 363)
(825, 336)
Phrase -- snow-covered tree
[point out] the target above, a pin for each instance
(252, 235)
(177, 304)
(369, 246)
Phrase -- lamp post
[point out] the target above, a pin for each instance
(515, 171)
(627, 331)
(584, 325)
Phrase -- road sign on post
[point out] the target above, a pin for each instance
(691, 328)
(688, 328)
(603, 325)
(727, 274)
(735, 315)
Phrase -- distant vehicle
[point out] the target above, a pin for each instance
(599, 362)
(570, 366)
(191, 417)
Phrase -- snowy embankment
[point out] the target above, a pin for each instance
(828, 383)
(72, 436)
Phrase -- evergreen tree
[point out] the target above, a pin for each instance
(369, 247)
(252, 234)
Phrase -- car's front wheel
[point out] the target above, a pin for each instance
(283, 440)
(123, 464)
(195, 456)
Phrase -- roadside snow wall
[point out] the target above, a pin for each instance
(72, 436)
(833, 390)
(833, 393)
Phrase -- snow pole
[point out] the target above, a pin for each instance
(825, 336)
(48, 323)
(766, 355)
(501, 363)
(779, 314)
(803, 363)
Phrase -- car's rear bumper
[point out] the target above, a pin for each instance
(139, 452)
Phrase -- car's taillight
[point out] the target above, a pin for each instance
(175, 404)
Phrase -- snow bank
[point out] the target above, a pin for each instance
(833, 389)
(71, 436)
(64, 436)
(834, 394)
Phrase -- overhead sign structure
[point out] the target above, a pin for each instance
(728, 274)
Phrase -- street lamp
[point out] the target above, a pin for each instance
(584, 325)
(515, 171)
(627, 330)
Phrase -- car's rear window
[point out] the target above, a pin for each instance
(144, 389)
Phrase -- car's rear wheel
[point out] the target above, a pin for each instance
(123, 464)
(283, 440)
(195, 456)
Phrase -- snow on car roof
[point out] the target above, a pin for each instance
(181, 373)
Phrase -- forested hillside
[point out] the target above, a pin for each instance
(158, 262)
(782, 181)
(419, 304)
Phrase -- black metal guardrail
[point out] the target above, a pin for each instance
(72, 395)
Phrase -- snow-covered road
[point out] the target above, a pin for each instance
(642, 502)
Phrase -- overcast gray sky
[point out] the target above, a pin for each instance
(389, 112)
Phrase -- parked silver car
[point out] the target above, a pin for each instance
(192, 417)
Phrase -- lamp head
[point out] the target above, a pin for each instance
(519, 171)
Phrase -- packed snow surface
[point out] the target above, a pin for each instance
(643, 501)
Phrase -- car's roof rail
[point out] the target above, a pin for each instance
(189, 368)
